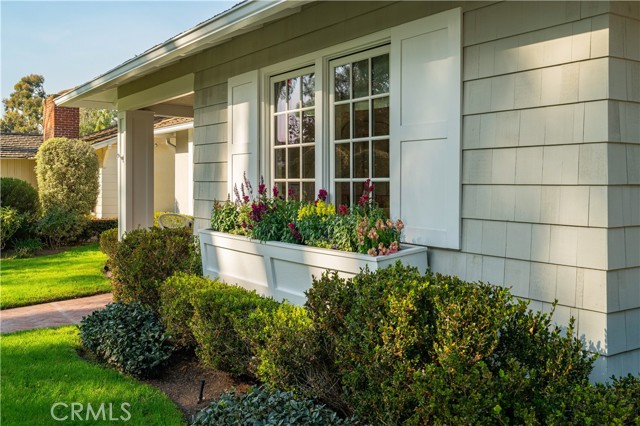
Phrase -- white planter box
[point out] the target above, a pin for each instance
(285, 271)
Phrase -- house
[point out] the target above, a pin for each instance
(173, 158)
(505, 134)
(173, 167)
(18, 156)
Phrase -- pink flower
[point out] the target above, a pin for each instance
(372, 252)
(322, 195)
(393, 248)
(275, 191)
(364, 200)
(380, 225)
(399, 225)
(373, 235)
(343, 210)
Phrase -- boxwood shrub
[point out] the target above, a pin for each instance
(129, 337)
(266, 406)
(146, 257)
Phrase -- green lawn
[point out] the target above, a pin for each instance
(41, 368)
(72, 273)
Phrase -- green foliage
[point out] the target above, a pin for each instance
(23, 107)
(67, 173)
(108, 245)
(27, 248)
(96, 227)
(94, 120)
(128, 337)
(59, 227)
(275, 223)
(146, 257)
(10, 221)
(267, 406)
(220, 317)
(176, 307)
(20, 195)
(224, 217)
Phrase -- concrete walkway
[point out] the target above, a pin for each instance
(53, 314)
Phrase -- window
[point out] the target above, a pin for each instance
(293, 144)
(359, 135)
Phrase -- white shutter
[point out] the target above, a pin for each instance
(242, 129)
(425, 128)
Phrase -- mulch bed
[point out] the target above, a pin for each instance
(181, 382)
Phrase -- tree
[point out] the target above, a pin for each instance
(67, 173)
(94, 120)
(23, 108)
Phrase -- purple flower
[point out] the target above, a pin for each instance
(246, 198)
(275, 191)
(291, 193)
(322, 195)
(295, 232)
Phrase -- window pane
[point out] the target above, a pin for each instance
(280, 163)
(293, 189)
(341, 82)
(380, 75)
(280, 90)
(381, 158)
(342, 121)
(280, 129)
(342, 160)
(308, 126)
(361, 121)
(294, 128)
(361, 159)
(294, 93)
(293, 163)
(308, 162)
(343, 193)
(381, 195)
(308, 191)
(361, 79)
(282, 189)
(381, 116)
(308, 90)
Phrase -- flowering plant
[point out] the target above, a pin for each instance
(363, 228)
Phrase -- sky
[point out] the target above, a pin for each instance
(72, 42)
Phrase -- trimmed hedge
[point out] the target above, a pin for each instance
(20, 195)
(146, 257)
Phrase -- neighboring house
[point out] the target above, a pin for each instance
(505, 134)
(17, 156)
(173, 167)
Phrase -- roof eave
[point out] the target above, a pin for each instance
(212, 32)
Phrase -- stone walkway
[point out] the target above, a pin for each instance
(53, 314)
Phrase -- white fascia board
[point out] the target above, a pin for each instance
(205, 35)
(163, 130)
(104, 143)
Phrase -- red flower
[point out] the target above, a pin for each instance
(322, 195)
(343, 210)
(275, 191)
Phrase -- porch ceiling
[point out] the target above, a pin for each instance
(101, 92)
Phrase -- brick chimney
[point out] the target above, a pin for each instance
(60, 122)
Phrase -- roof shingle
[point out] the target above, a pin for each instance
(14, 145)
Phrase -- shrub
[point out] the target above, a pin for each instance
(146, 257)
(10, 222)
(128, 337)
(266, 406)
(96, 227)
(176, 305)
(20, 195)
(109, 243)
(59, 226)
(220, 314)
(27, 248)
(67, 173)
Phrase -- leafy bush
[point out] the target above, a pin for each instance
(128, 337)
(67, 173)
(59, 226)
(176, 305)
(96, 227)
(10, 222)
(27, 248)
(146, 257)
(109, 242)
(266, 406)
(220, 316)
(20, 195)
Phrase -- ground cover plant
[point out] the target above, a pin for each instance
(42, 367)
(73, 273)
(363, 227)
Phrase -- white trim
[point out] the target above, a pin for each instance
(157, 94)
(174, 128)
(221, 28)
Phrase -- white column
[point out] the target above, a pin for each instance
(135, 170)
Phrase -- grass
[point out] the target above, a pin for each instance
(72, 273)
(42, 367)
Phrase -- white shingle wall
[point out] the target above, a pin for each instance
(551, 165)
